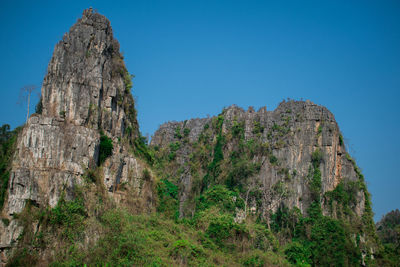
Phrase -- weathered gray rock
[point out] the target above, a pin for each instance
(292, 133)
(86, 90)
(51, 157)
(86, 81)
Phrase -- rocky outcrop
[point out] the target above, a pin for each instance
(51, 154)
(87, 82)
(290, 157)
(85, 93)
(284, 142)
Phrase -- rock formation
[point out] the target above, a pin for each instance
(288, 158)
(85, 93)
(291, 158)
(290, 134)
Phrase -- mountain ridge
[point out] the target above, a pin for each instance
(242, 181)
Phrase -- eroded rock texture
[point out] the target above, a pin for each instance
(87, 82)
(85, 92)
(283, 141)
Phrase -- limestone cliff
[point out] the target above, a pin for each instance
(83, 157)
(286, 158)
(288, 137)
(85, 94)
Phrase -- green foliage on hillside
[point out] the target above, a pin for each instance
(7, 146)
(122, 238)
(388, 229)
(105, 148)
(226, 161)
(224, 226)
(142, 150)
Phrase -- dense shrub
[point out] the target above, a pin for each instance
(220, 228)
(68, 215)
(7, 146)
(221, 197)
(240, 171)
(298, 254)
(316, 158)
(167, 197)
(105, 149)
(142, 150)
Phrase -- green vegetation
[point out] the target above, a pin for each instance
(178, 134)
(220, 197)
(186, 132)
(69, 216)
(213, 169)
(168, 198)
(105, 148)
(221, 220)
(128, 81)
(341, 140)
(388, 229)
(7, 147)
(257, 128)
(173, 148)
(142, 150)
(319, 130)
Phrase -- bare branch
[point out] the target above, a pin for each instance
(25, 95)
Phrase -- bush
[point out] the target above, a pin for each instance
(262, 238)
(257, 128)
(298, 254)
(69, 215)
(173, 147)
(273, 160)
(185, 251)
(316, 184)
(105, 149)
(7, 147)
(178, 134)
(340, 140)
(220, 229)
(142, 150)
(254, 261)
(221, 197)
(238, 129)
(241, 170)
(128, 81)
(168, 197)
(186, 132)
(213, 169)
(316, 158)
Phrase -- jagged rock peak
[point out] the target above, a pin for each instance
(87, 82)
(291, 134)
(85, 92)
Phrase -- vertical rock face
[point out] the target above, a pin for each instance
(86, 91)
(87, 83)
(282, 144)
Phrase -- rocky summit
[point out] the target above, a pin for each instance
(243, 188)
(86, 94)
(282, 144)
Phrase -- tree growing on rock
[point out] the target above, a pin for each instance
(25, 95)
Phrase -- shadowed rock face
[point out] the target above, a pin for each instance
(86, 90)
(291, 133)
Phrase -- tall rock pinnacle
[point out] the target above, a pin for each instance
(85, 92)
(87, 82)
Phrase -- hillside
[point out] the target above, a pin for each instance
(244, 188)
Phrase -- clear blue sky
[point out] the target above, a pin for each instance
(192, 58)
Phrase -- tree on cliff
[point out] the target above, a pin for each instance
(25, 95)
